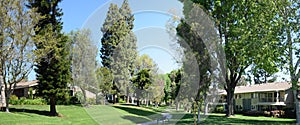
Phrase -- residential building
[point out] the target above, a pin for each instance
(261, 97)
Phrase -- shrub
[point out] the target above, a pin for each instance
(122, 101)
(91, 101)
(219, 109)
(24, 101)
(13, 99)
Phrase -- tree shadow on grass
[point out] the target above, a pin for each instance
(136, 119)
(222, 120)
(139, 112)
(32, 111)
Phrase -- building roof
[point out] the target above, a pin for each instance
(276, 86)
(23, 84)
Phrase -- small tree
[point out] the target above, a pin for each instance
(141, 81)
(105, 79)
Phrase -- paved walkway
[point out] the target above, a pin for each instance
(165, 116)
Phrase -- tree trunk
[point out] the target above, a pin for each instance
(177, 105)
(138, 101)
(7, 95)
(296, 106)
(104, 99)
(127, 95)
(52, 106)
(198, 117)
(205, 108)
(230, 102)
(84, 97)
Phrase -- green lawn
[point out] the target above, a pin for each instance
(118, 115)
(220, 119)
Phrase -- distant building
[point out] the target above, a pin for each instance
(22, 88)
(261, 97)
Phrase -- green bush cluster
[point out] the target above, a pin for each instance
(122, 101)
(23, 101)
(219, 109)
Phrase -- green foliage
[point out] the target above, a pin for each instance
(91, 101)
(249, 35)
(122, 101)
(16, 44)
(83, 54)
(167, 88)
(13, 98)
(105, 79)
(175, 77)
(156, 90)
(53, 70)
(118, 51)
(142, 79)
(23, 101)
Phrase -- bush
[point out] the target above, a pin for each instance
(219, 109)
(24, 101)
(13, 99)
(122, 101)
(91, 101)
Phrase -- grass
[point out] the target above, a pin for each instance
(220, 119)
(119, 115)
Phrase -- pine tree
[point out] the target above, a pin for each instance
(53, 71)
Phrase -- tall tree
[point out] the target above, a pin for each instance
(193, 38)
(289, 11)
(53, 71)
(16, 44)
(118, 50)
(243, 26)
(83, 54)
(111, 34)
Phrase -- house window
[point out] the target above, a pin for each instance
(265, 97)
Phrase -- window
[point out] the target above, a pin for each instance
(265, 97)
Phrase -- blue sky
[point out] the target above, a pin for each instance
(150, 20)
